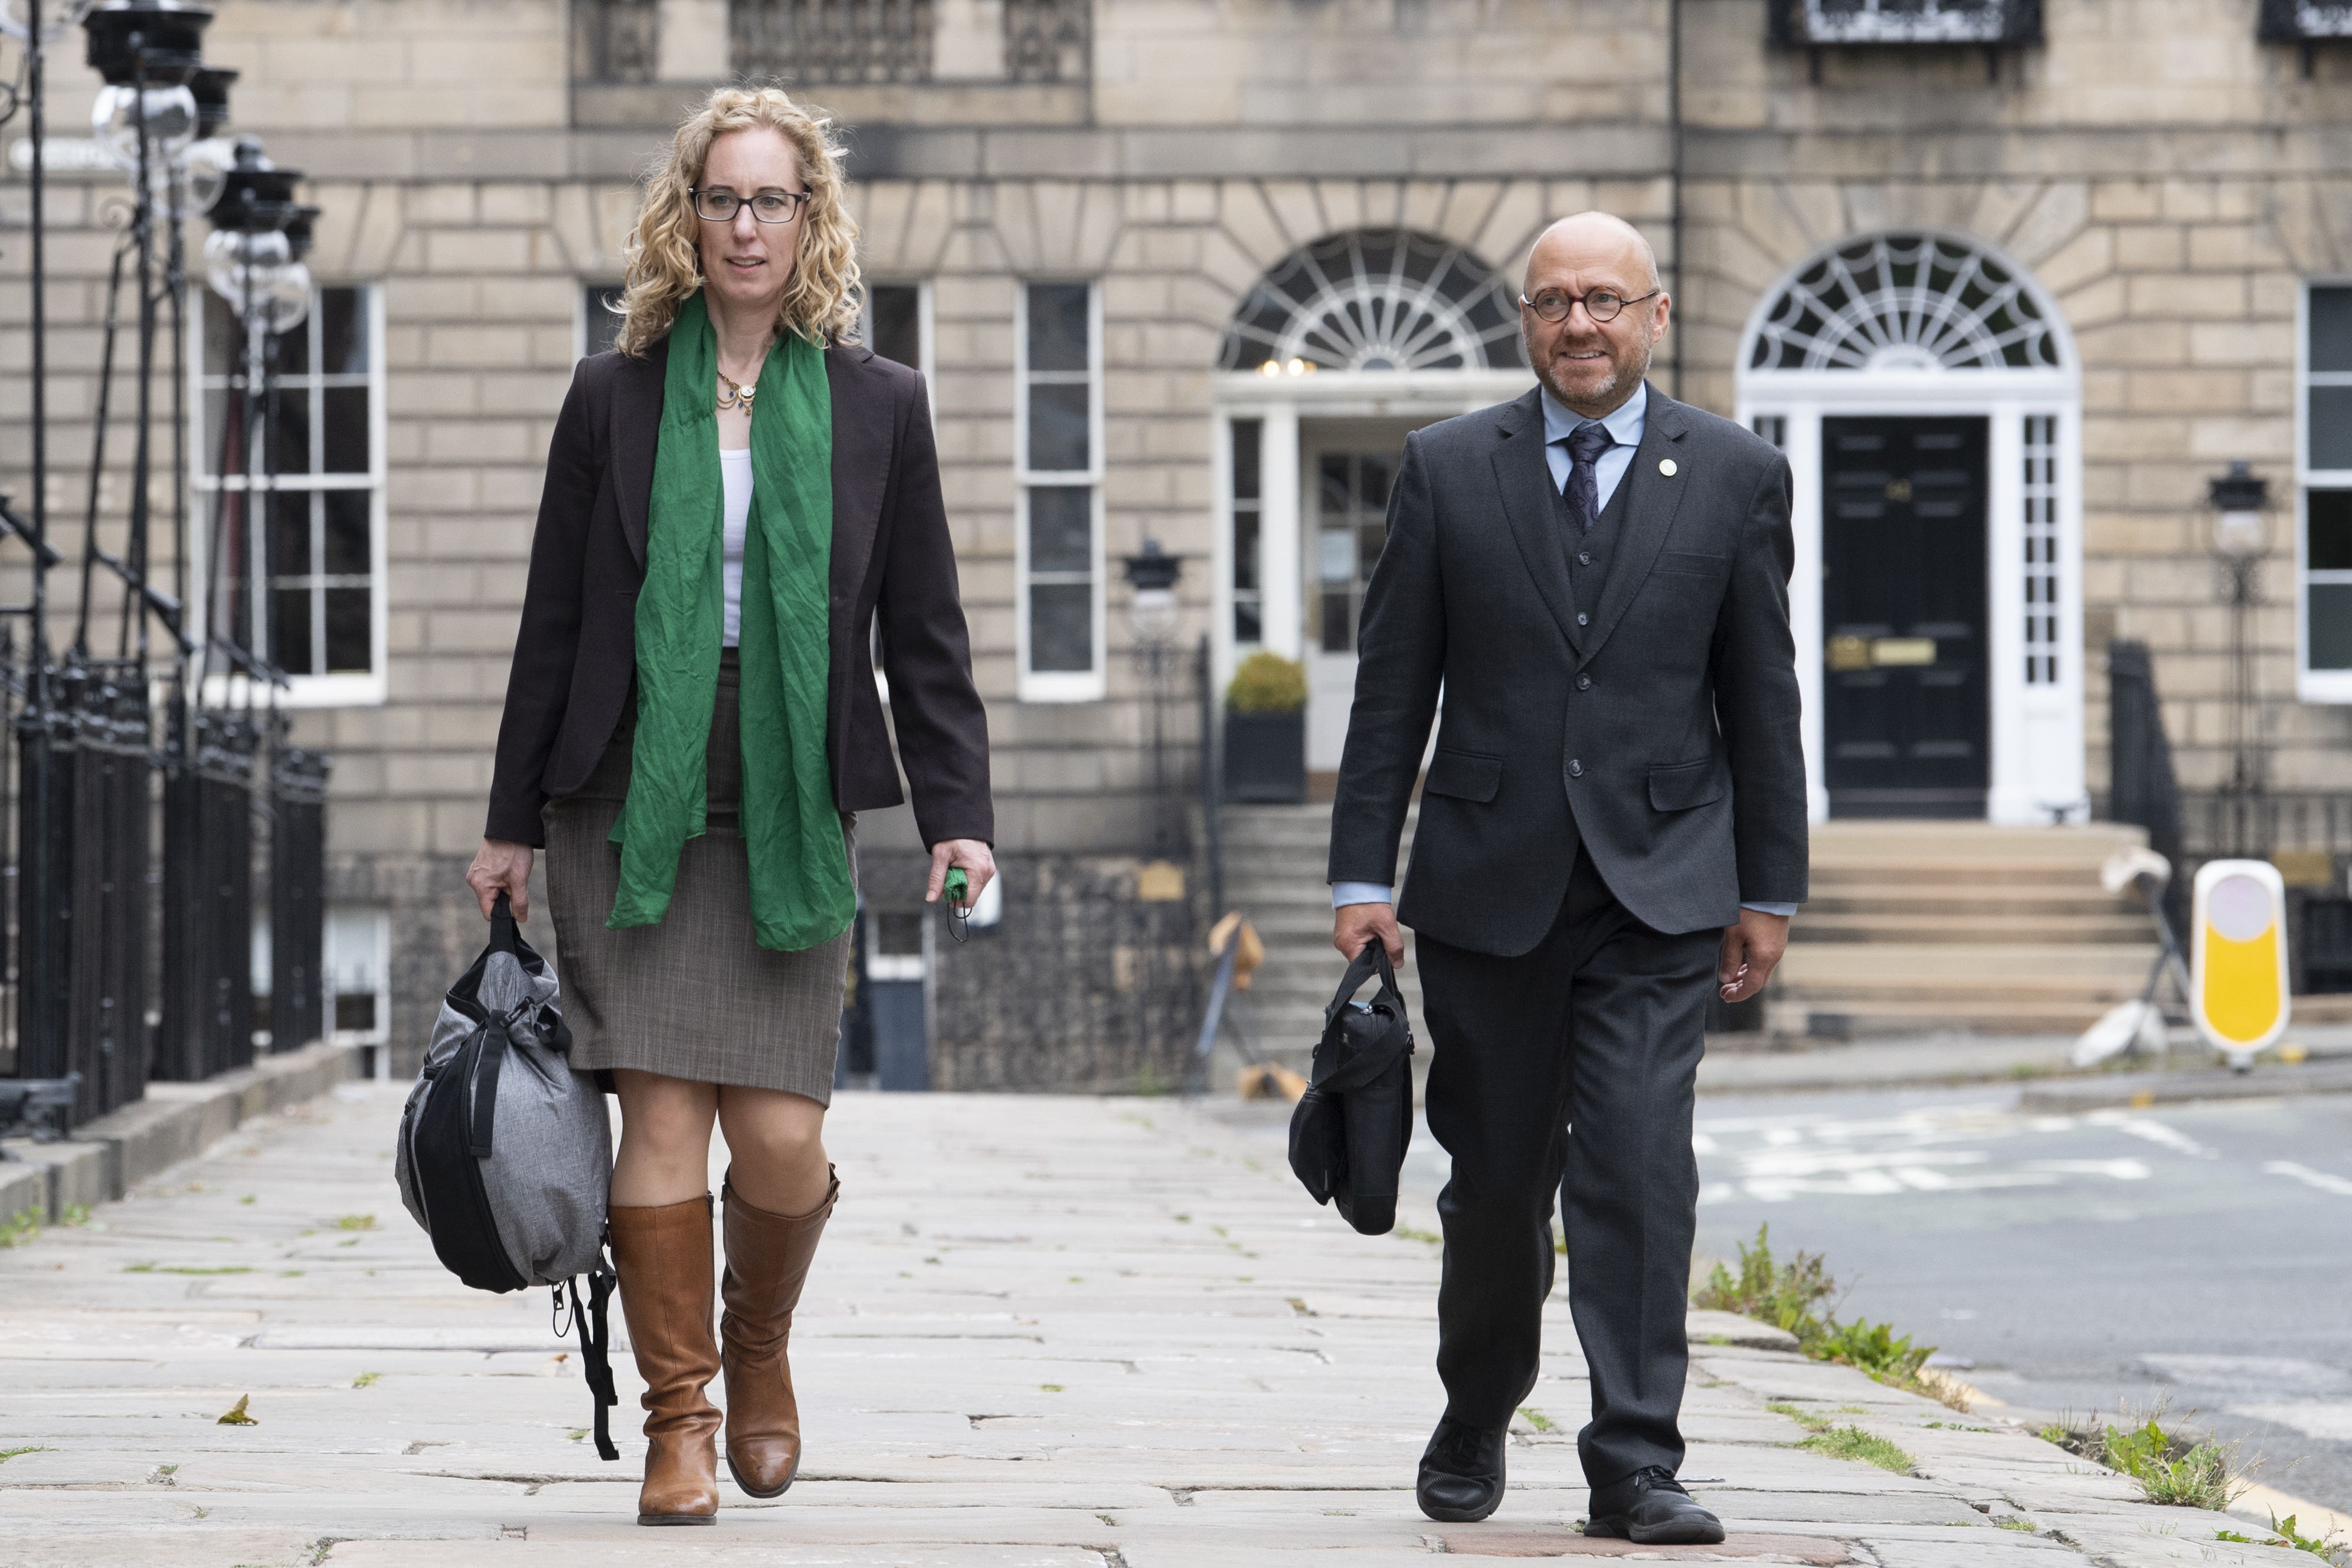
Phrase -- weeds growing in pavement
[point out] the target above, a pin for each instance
(1876, 1349)
(21, 1229)
(2170, 1469)
(2333, 1549)
(1854, 1443)
(1789, 1296)
(1800, 1415)
(1781, 1294)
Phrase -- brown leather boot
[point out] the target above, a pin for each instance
(767, 1261)
(663, 1254)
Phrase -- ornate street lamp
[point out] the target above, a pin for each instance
(2241, 499)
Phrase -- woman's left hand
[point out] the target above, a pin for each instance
(973, 854)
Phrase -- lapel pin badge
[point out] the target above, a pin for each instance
(1666, 466)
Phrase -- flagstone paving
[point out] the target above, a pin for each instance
(1043, 1332)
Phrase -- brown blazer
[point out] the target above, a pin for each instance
(575, 654)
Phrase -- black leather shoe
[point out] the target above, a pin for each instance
(1651, 1507)
(1462, 1473)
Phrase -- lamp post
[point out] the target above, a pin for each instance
(1152, 574)
(2239, 499)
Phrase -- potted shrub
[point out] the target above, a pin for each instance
(1265, 730)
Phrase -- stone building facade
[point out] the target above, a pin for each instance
(1186, 272)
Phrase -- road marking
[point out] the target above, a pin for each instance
(1773, 1159)
(2340, 1186)
(2154, 1131)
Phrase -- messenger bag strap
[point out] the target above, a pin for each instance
(596, 1350)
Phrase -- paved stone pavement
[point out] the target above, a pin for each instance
(1043, 1332)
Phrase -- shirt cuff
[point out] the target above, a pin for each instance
(1346, 893)
(1785, 910)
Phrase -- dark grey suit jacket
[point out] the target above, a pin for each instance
(575, 653)
(1665, 735)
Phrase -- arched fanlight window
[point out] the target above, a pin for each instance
(1912, 302)
(1377, 300)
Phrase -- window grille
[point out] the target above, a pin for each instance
(1904, 303)
(1377, 300)
(2041, 494)
(803, 42)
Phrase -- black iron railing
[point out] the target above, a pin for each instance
(123, 963)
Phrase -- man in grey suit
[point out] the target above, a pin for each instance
(1596, 577)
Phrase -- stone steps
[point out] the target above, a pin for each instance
(1911, 927)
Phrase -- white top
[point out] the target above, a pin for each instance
(735, 469)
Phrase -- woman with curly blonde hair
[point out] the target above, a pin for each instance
(691, 727)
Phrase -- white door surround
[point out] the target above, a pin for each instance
(1370, 324)
(1923, 323)
(1278, 404)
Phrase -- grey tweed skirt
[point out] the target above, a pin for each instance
(694, 996)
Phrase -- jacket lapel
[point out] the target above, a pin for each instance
(1652, 500)
(636, 432)
(1525, 480)
(861, 464)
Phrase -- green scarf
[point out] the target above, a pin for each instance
(801, 890)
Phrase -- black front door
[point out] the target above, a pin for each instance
(1907, 715)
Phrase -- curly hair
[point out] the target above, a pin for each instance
(663, 256)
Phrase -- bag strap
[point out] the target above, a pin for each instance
(503, 935)
(482, 1087)
(1372, 959)
(596, 1350)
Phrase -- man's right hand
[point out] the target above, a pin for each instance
(501, 866)
(1353, 925)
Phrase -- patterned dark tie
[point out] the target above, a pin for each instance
(1586, 443)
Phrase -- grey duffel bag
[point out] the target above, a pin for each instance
(506, 1153)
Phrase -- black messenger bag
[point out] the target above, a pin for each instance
(1349, 1132)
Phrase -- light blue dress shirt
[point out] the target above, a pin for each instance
(1625, 427)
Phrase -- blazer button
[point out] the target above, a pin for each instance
(1584, 557)
(1582, 619)
(1575, 768)
(1584, 682)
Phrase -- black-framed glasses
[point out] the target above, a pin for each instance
(1601, 303)
(720, 206)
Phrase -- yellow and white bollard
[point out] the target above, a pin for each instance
(2238, 975)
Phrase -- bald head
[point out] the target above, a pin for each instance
(1592, 242)
(1593, 362)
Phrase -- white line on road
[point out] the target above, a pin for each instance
(2154, 1132)
(2323, 1180)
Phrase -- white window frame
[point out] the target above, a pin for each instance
(342, 690)
(2312, 685)
(1059, 685)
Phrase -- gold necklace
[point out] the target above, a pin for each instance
(737, 395)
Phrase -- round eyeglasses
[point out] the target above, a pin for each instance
(1601, 303)
(768, 206)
